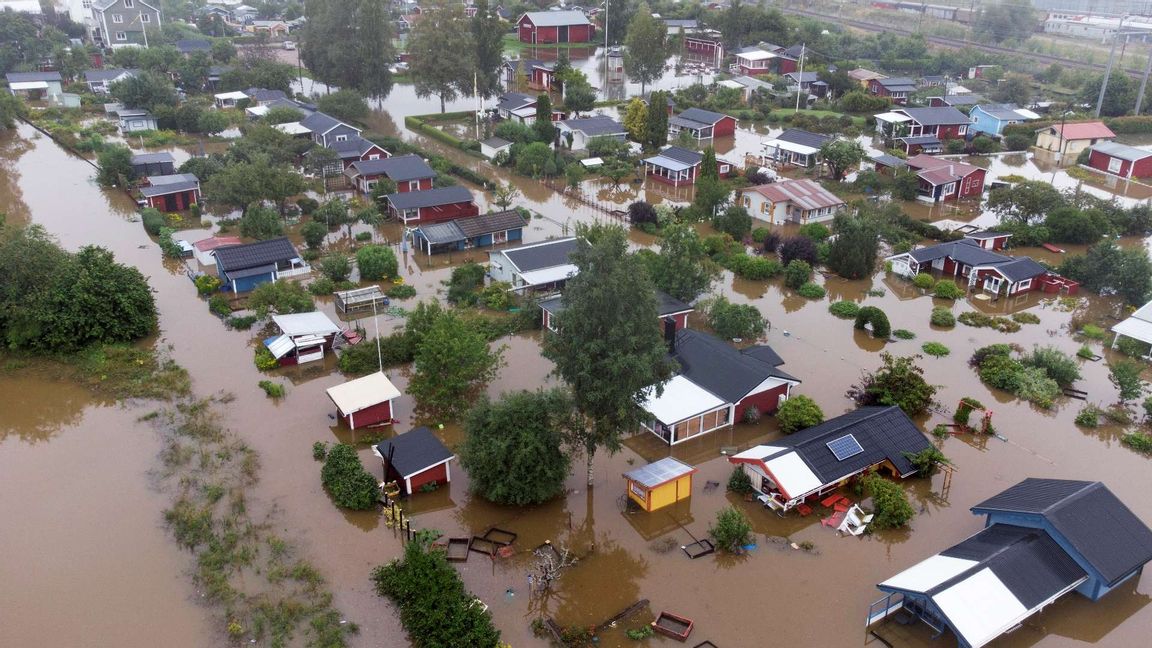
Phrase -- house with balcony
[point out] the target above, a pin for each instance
(679, 166)
(702, 125)
(794, 147)
(243, 267)
(124, 23)
(981, 268)
(432, 205)
(939, 180)
(897, 89)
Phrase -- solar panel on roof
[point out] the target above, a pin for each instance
(844, 447)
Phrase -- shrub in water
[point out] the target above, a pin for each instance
(740, 482)
(760, 234)
(1138, 441)
(844, 309)
(798, 413)
(797, 273)
(924, 281)
(947, 289)
(272, 389)
(732, 530)
(321, 286)
(1025, 318)
(346, 480)
(904, 334)
(942, 317)
(264, 359)
(153, 220)
(935, 349)
(1088, 417)
(241, 322)
(206, 284)
(218, 305)
(881, 329)
(1093, 332)
(319, 450)
(400, 291)
(891, 503)
(811, 291)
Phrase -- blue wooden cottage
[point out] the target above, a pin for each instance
(1042, 539)
(471, 232)
(245, 266)
(991, 119)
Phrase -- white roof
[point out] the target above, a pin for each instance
(257, 111)
(760, 452)
(314, 323)
(791, 146)
(524, 112)
(958, 90)
(548, 275)
(729, 83)
(1138, 326)
(929, 573)
(280, 346)
(362, 393)
(758, 55)
(592, 162)
(29, 85)
(681, 399)
(236, 95)
(981, 607)
(793, 476)
(668, 163)
(893, 117)
(292, 128)
(1027, 114)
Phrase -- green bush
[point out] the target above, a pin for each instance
(947, 289)
(892, 509)
(1059, 366)
(815, 231)
(811, 291)
(926, 461)
(400, 291)
(336, 267)
(1131, 347)
(272, 389)
(319, 450)
(797, 273)
(1025, 318)
(731, 321)
(844, 309)
(740, 482)
(218, 305)
(1093, 332)
(798, 413)
(376, 262)
(465, 282)
(935, 349)
(497, 295)
(758, 268)
(168, 244)
(307, 205)
(980, 320)
(153, 220)
(1139, 441)
(321, 286)
(206, 284)
(924, 281)
(760, 234)
(903, 334)
(264, 359)
(942, 317)
(732, 530)
(314, 234)
(1088, 417)
(282, 297)
(1085, 352)
(241, 322)
(881, 329)
(346, 480)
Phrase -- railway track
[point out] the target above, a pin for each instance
(956, 43)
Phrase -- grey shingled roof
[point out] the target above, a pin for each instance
(251, 255)
(701, 116)
(500, 221)
(430, 197)
(541, 255)
(1021, 268)
(596, 126)
(665, 305)
(883, 433)
(720, 368)
(920, 140)
(936, 116)
(188, 45)
(898, 84)
(264, 94)
(25, 77)
(167, 189)
(557, 18)
(400, 168)
(352, 147)
(152, 158)
(964, 251)
(321, 123)
(681, 154)
(889, 161)
(514, 100)
(1001, 111)
(108, 74)
(1087, 515)
(415, 451)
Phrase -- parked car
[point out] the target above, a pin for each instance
(289, 45)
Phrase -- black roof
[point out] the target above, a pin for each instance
(1021, 268)
(541, 255)
(1027, 561)
(701, 116)
(595, 126)
(107, 74)
(400, 168)
(883, 433)
(251, 255)
(514, 100)
(965, 251)
(804, 138)
(936, 115)
(264, 94)
(353, 147)
(152, 158)
(681, 154)
(1088, 516)
(191, 45)
(430, 197)
(668, 305)
(722, 369)
(321, 123)
(491, 222)
(415, 451)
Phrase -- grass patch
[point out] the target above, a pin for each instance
(904, 334)
(400, 291)
(1025, 318)
(844, 309)
(980, 320)
(1138, 441)
(942, 317)
(1088, 417)
(935, 349)
(123, 371)
(811, 291)
(1092, 332)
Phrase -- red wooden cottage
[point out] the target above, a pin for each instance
(718, 384)
(409, 172)
(989, 239)
(701, 124)
(432, 205)
(1121, 160)
(170, 193)
(764, 59)
(668, 309)
(540, 27)
(415, 459)
(897, 89)
(679, 166)
(357, 149)
(364, 401)
(983, 268)
(940, 180)
(705, 43)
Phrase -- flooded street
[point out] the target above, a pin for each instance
(90, 535)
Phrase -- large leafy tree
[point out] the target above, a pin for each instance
(853, 252)
(609, 356)
(442, 53)
(656, 121)
(242, 184)
(618, 17)
(348, 43)
(636, 119)
(452, 366)
(1000, 23)
(646, 47)
(488, 41)
(10, 109)
(345, 104)
(899, 381)
(840, 156)
(514, 452)
(146, 90)
(1025, 202)
(683, 268)
(1105, 267)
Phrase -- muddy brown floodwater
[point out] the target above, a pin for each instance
(88, 531)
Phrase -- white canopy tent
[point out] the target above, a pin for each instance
(1138, 326)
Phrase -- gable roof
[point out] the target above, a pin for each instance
(415, 451)
(556, 18)
(321, 123)
(363, 392)
(537, 256)
(514, 100)
(1020, 268)
(430, 197)
(595, 126)
(353, 147)
(803, 77)
(152, 158)
(400, 168)
(1081, 130)
(251, 255)
(965, 251)
(701, 116)
(803, 138)
(300, 324)
(882, 432)
(935, 116)
(945, 170)
(805, 194)
(665, 305)
(471, 227)
(896, 84)
(722, 369)
(25, 77)
(1006, 112)
(264, 94)
(1087, 515)
(1121, 151)
(107, 74)
(861, 74)
(187, 45)
(680, 154)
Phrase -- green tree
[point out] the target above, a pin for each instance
(1015, 89)
(545, 131)
(514, 448)
(346, 104)
(579, 96)
(348, 44)
(1119, 97)
(656, 121)
(609, 356)
(346, 480)
(735, 321)
(899, 381)
(336, 267)
(10, 108)
(1105, 267)
(145, 90)
(314, 234)
(636, 119)
(732, 530)
(683, 268)
(281, 115)
(441, 49)
(734, 221)
(1004, 23)
(709, 169)
(115, 164)
(376, 262)
(798, 413)
(212, 122)
(252, 72)
(452, 366)
(1125, 376)
(1025, 202)
(503, 195)
(840, 156)
(645, 47)
(281, 297)
(891, 507)
(797, 273)
(1070, 225)
(242, 184)
(852, 254)
(618, 18)
(488, 40)
(260, 223)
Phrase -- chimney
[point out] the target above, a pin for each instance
(670, 333)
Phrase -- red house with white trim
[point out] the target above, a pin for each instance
(540, 27)
(415, 459)
(701, 124)
(409, 172)
(171, 193)
(668, 309)
(365, 401)
(679, 166)
(982, 268)
(940, 180)
(897, 89)
(432, 205)
(1121, 160)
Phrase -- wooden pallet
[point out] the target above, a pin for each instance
(673, 625)
(457, 549)
(499, 536)
(483, 546)
(699, 548)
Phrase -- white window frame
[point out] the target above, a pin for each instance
(341, 138)
(145, 18)
(129, 4)
(413, 185)
(117, 19)
(121, 36)
(1114, 165)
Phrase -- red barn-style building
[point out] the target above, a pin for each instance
(409, 172)
(414, 459)
(982, 268)
(365, 401)
(1121, 160)
(940, 180)
(432, 205)
(540, 27)
(171, 193)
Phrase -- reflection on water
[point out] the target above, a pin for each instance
(36, 407)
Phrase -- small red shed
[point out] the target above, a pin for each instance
(176, 192)
(415, 459)
(540, 27)
(1121, 160)
(365, 401)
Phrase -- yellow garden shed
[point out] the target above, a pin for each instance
(659, 484)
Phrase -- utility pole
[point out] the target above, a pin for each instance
(800, 79)
(605, 49)
(1108, 70)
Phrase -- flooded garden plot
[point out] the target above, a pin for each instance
(799, 597)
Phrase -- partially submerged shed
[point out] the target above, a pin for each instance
(365, 401)
(660, 483)
(303, 337)
(414, 459)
